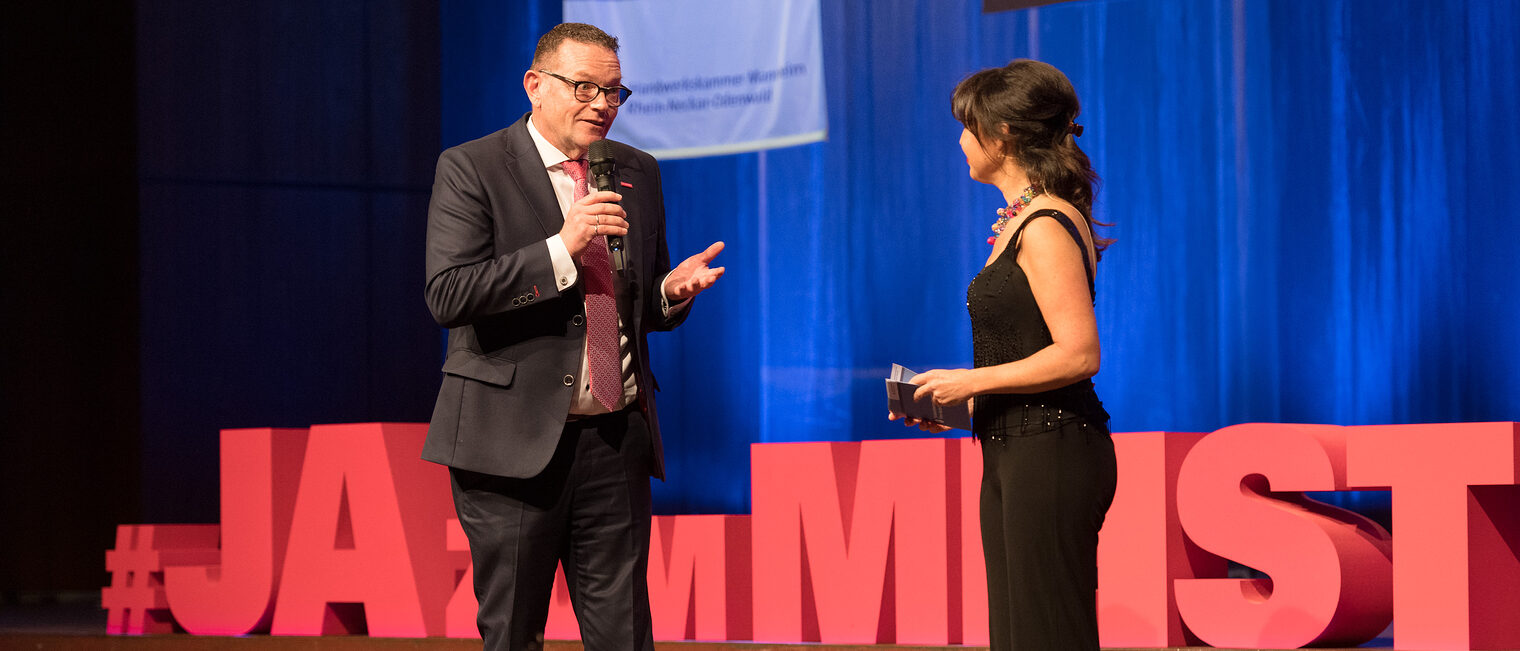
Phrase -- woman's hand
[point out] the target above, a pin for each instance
(945, 386)
(927, 426)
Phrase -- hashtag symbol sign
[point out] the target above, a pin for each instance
(135, 602)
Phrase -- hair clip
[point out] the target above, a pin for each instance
(1074, 129)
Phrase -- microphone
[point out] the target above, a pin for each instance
(604, 177)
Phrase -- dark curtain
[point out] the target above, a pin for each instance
(69, 417)
(285, 165)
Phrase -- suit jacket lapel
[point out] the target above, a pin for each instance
(526, 168)
(635, 203)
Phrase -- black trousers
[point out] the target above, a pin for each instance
(590, 510)
(1044, 497)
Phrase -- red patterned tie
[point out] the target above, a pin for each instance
(601, 309)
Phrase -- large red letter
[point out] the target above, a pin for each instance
(849, 511)
(459, 616)
(1141, 549)
(260, 468)
(135, 601)
(1456, 579)
(1330, 568)
(973, 572)
(383, 551)
(696, 562)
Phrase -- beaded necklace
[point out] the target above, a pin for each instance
(1007, 214)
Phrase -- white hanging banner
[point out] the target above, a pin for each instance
(713, 77)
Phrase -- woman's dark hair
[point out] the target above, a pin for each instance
(1031, 108)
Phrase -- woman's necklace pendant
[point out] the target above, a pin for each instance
(1006, 215)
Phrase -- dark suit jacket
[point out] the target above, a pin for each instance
(515, 341)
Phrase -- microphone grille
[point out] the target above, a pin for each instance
(600, 150)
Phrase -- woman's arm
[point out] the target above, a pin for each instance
(1053, 263)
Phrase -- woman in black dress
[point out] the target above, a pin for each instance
(1048, 469)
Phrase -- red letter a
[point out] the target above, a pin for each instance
(390, 559)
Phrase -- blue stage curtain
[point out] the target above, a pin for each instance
(1307, 198)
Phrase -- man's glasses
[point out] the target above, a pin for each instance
(586, 91)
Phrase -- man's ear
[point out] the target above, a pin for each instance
(531, 84)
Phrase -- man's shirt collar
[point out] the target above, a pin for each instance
(552, 155)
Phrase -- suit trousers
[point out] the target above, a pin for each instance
(588, 510)
(1044, 498)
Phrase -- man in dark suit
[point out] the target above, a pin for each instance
(546, 416)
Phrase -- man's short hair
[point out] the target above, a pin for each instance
(549, 43)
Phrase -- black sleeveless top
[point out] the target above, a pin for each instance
(1007, 326)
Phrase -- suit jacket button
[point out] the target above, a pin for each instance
(577, 320)
(569, 380)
